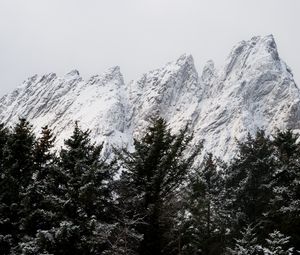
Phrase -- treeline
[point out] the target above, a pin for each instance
(155, 200)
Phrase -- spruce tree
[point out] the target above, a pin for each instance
(248, 182)
(284, 207)
(204, 205)
(5, 224)
(43, 151)
(247, 244)
(151, 176)
(4, 133)
(88, 207)
(16, 176)
(278, 244)
(20, 156)
(41, 200)
(35, 195)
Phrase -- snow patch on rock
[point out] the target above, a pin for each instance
(254, 89)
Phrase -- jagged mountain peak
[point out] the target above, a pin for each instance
(209, 72)
(185, 59)
(73, 74)
(252, 55)
(255, 89)
(183, 63)
(114, 73)
(112, 77)
(264, 45)
(171, 91)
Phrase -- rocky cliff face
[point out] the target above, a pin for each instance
(255, 89)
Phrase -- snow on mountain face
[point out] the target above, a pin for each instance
(255, 89)
(172, 92)
(99, 104)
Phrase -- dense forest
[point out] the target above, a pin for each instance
(155, 200)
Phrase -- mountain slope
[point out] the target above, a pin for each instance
(255, 89)
(99, 104)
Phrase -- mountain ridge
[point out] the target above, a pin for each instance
(255, 89)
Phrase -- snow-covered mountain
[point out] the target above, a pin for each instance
(255, 89)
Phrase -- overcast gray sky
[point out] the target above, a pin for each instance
(42, 36)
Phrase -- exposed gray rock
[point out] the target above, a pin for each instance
(255, 89)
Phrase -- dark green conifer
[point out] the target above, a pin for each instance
(5, 224)
(284, 207)
(205, 219)
(16, 176)
(38, 201)
(248, 182)
(88, 196)
(152, 175)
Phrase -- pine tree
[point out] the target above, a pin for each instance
(88, 206)
(5, 224)
(151, 176)
(89, 176)
(43, 153)
(35, 194)
(41, 201)
(17, 174)
(278, 244)
(20, 153)
(248, 244)
(284, 207)
(4, 133)
(4, 136)
(206, 221)
(248, 182)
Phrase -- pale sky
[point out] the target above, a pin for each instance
(43, 36)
